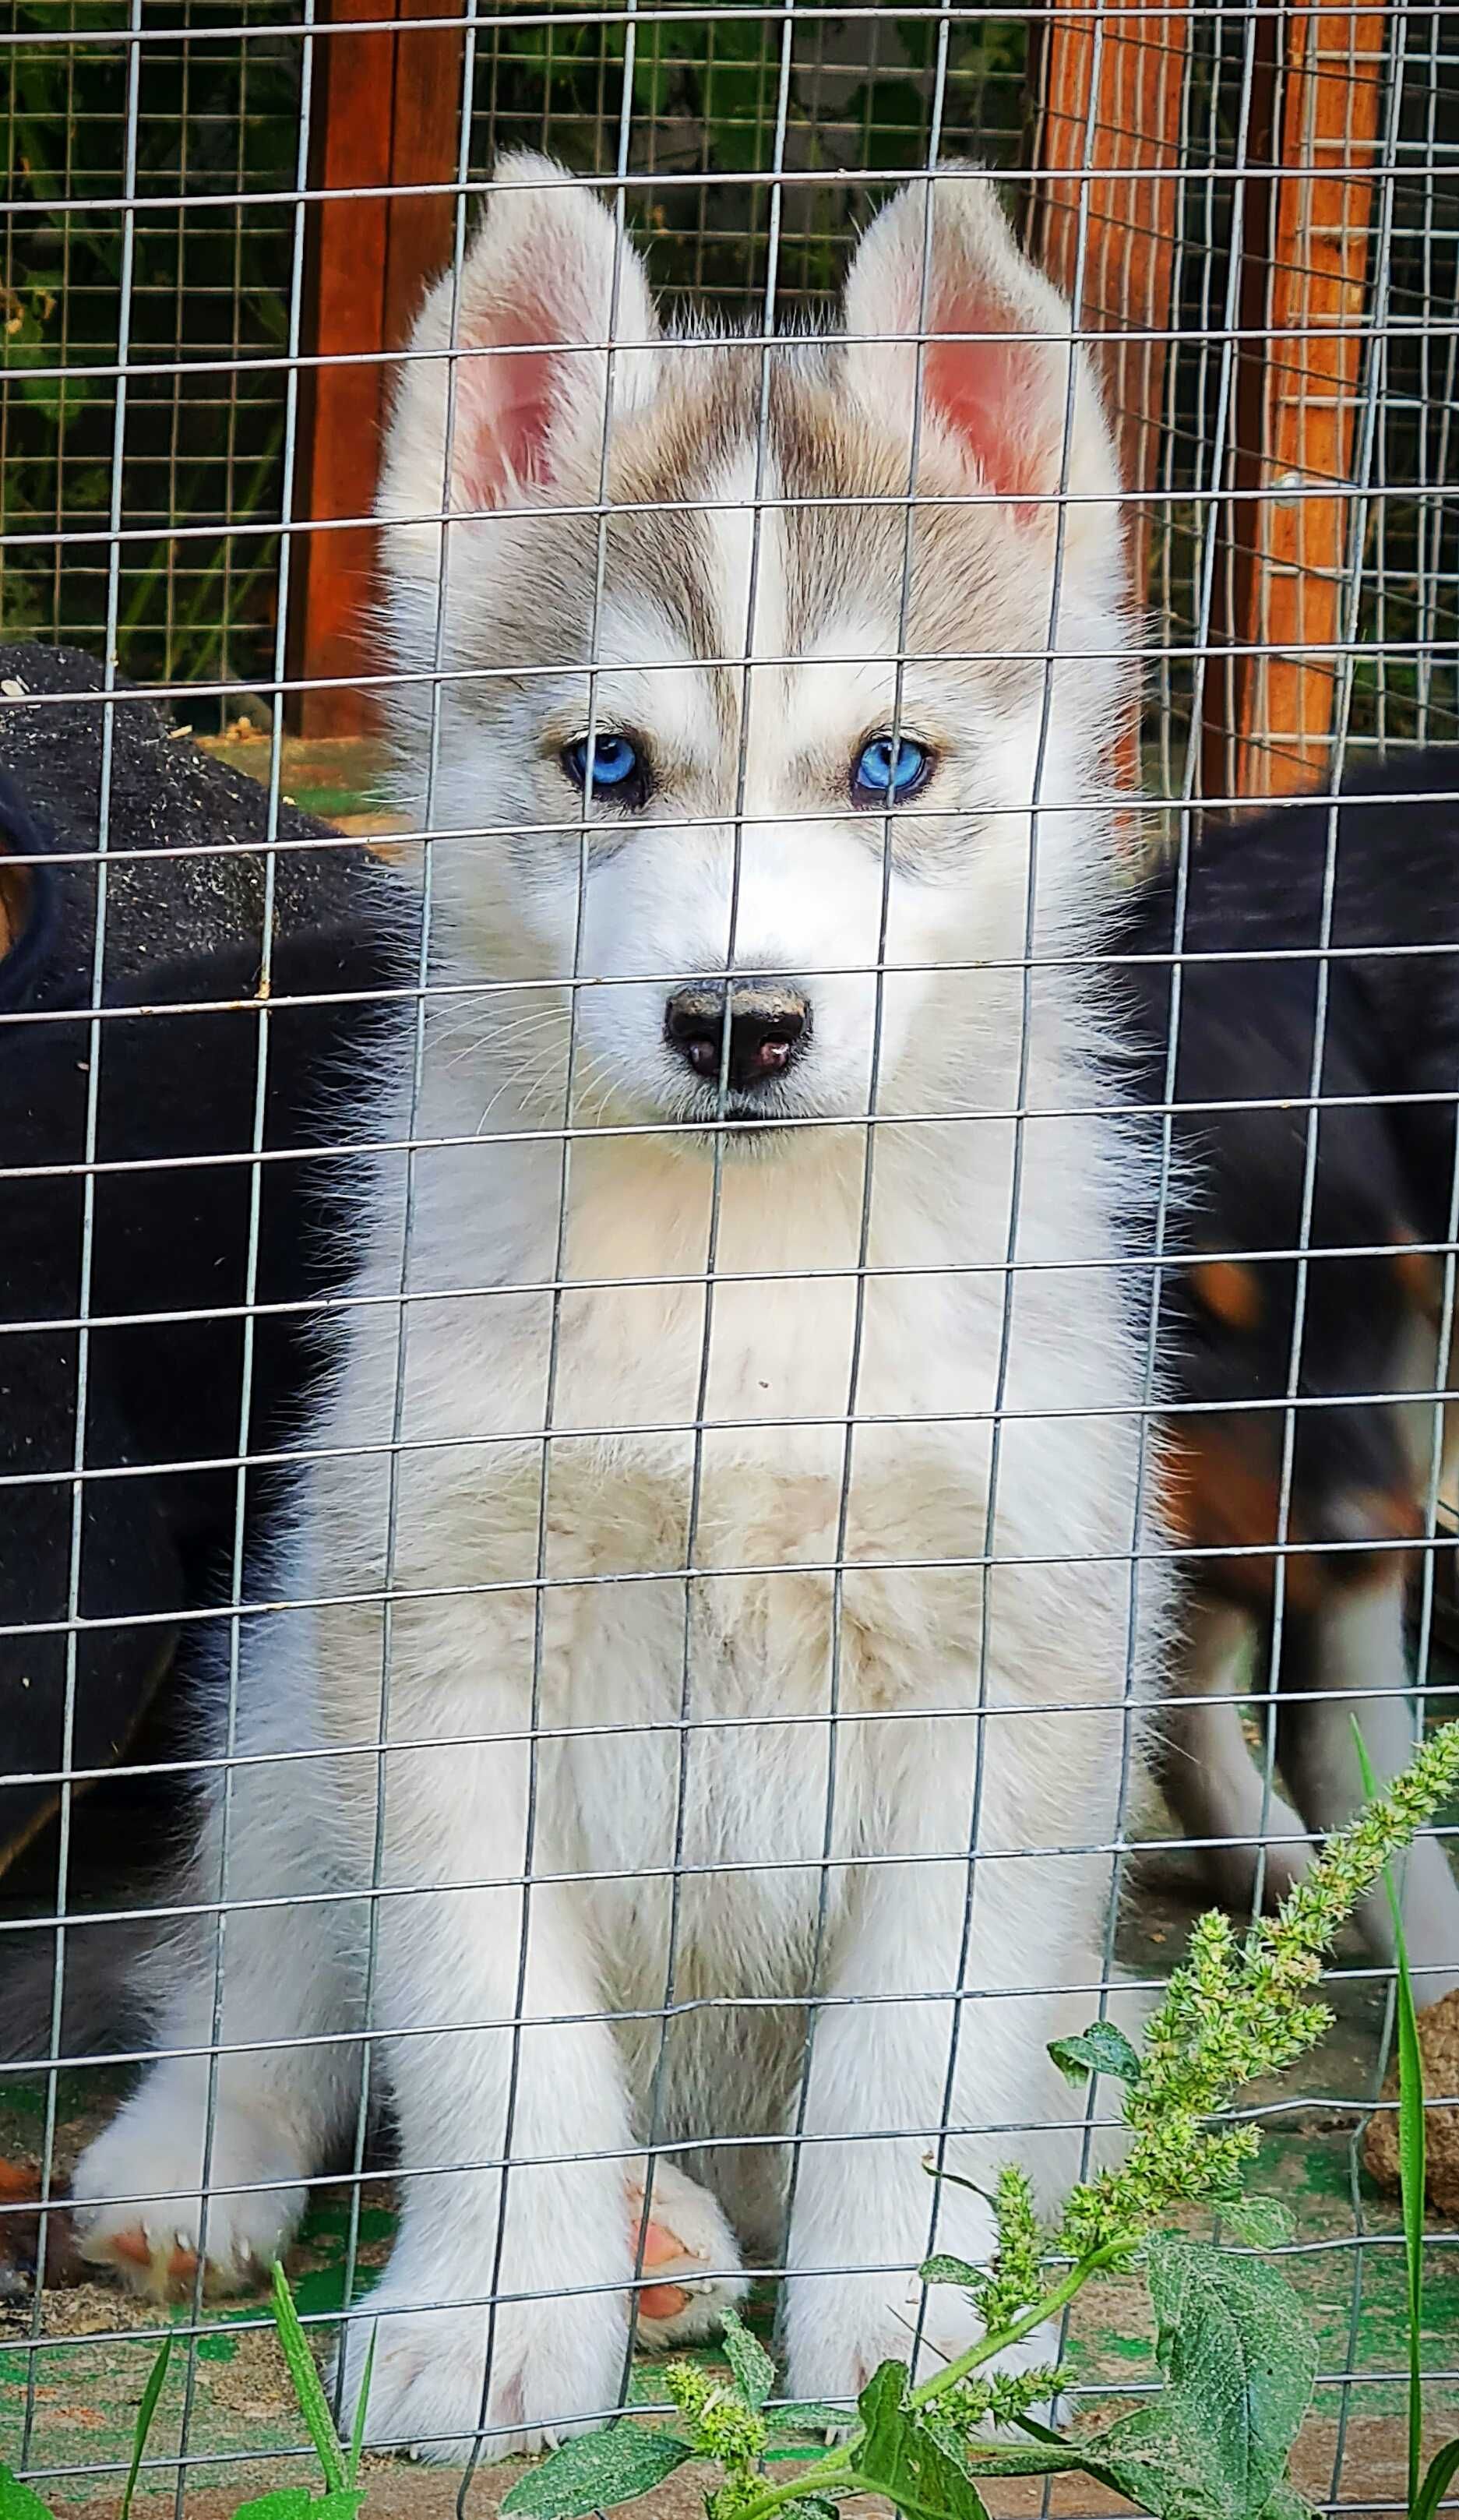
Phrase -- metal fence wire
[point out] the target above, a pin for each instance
(219, 922)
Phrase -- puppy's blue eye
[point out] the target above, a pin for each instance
(889, 770)
(619, 770)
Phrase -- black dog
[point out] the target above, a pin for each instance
(164, 1497)
(1352, 1464)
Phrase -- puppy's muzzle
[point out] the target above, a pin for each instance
(768, 1024)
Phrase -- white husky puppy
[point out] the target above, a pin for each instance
(718, 1669)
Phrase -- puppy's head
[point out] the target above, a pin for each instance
(725, 728)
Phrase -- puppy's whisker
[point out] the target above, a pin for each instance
(489, 1041)
(526, 1076)
(594, 1083)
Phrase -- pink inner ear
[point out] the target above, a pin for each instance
(505, 401)
(985, 393)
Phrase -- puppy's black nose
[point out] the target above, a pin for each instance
(769, 1025)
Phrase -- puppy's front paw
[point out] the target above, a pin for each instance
(839, 2328)
(132, 2211)
(690, 2255)
(557, 2367)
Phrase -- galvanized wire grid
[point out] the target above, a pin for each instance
(162, 256)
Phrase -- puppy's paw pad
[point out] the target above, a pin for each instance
(131, 2218)
(158, 2263)
(689, 2252)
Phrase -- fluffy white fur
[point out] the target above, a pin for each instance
(529, 1680)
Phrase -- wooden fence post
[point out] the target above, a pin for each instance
(1300, 374)
(387, 104)
(1108, 94)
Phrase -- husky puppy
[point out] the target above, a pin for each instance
(640, 1646)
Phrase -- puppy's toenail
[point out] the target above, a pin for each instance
(662, 2300)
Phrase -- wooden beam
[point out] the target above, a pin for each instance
(1270, 722)
(1232, 521)
(386, 112)
(1106, 144)
(424, 147)
(340, 408)
(1106, 135)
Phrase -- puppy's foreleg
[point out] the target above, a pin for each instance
(256, 2002)
(1206, 1769)
(1357, 1651)
(932, 2021)
(513, 2120)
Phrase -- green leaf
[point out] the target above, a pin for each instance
(615, 2465)
(1413, 2170)
(1412, 2184)
(1240, 2360)
(1288, 2505)
(296, 2503)
(951, 2271)
(357, 2428)
(1443, 2467)
(1099, 2049)
(753, 2370)
(1152, 2451)
(17, 2501)
(1153, 2460)
(805, 2416)
(308, 2384)
(1175, 2458)
(996, 2457)
(146, 2409)
(899, 2456)
(1260, 2221)
(289, 2502)
(308, 2388)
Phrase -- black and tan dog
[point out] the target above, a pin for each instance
(162, 1256)
(1337, 1487)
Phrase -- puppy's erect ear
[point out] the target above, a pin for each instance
(942, 260)
(547, 283)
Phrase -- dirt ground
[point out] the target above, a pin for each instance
(68, 2391)
(1373, 2472)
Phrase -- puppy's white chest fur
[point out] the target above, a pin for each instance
(764, 1503)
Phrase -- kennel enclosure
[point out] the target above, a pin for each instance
(221, 217)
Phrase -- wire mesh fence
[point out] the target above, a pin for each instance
(617, 1412)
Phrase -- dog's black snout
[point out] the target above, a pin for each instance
(769, 1025)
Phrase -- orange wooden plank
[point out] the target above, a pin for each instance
(387, 106)
(1304, 381)
(424, 150)
(1107, 138)
(340, 408)
(1109, 135)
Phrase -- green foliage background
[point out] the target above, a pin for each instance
(218, 115)
(218, 108)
